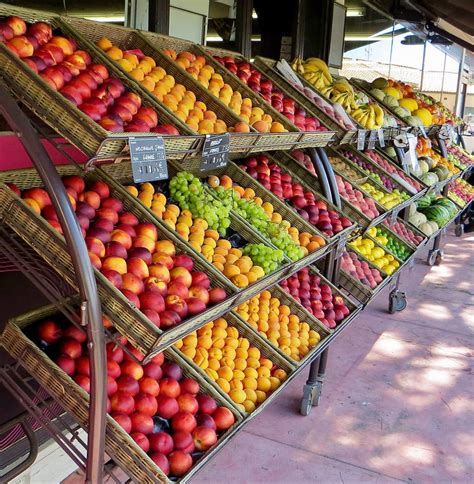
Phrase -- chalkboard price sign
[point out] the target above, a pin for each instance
(148, 159)
(215, 153)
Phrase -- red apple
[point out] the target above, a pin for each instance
(161, 461)
(133, 369)
(183, 441)
(223, 418)
(83, 381)
(167, 406)
(161, 442)
(189, 385)
(140, 438)
(149, 386)
(123, 420)
(207, 404)
(67, 364)
(204, 420)
(49, 331)
(70, 347)
(204, 438)
(180, 462)
(146, 404)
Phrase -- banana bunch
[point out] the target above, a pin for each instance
(370, 116)
(314, 70)
(341, 92)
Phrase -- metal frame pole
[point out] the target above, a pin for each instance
(91, 314)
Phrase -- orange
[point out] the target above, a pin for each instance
(263, 384)
(104, 43)
(261, 396)
(226, 373)
(114, 53)
(277, 128)
(238, 396)
(250, 383)
(133, 190)
(225, 385)
(240, 280)
(249, 406)
(189, 352)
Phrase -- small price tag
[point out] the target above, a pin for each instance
(215, 153)
(341, 246)
(148, 158)
(361, 134)
(372, 139)
(393, 217)
(381, 137)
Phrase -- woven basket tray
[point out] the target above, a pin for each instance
(267, 67)
(311, 184)
(242, 178)
(51, 246)
(65, 118)
(267, 351)
(305, 316)
(118, 444)
(120, 174)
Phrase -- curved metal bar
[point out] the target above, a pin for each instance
(336, 199)
(321, 173)
(31, 436)
(90, 308)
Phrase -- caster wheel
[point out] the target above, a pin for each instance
(397, 302)
(305, 407)
(435, 257)
(459, 230)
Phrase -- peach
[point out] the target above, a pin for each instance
(91, 198)
(132, 297)
(39, 195)
(140, 253)
(108, 214)
(183, 422)
(189, 385)
(204, 438)
(101, 70)
(66, 46)
(17, 24)
(146, 404)
(160, 272)
(223, 418)
(168, 319)
(122, 238)
(182, 275)
(201, 279)
(161, 442)
(96, 246)
(112, 204)
(115, 249)
(128, 218)
(216, 295)
(138, 267)
(133, 369)
(127, 228)
(185, 261)
(176, 304)
(165, 260)
(115, 263)
(150, 385)
(122, 403)
(180, 462)
(153, 316)
(195, 305)
(187, 403)
(152, 300)
(113, 277)
(22, 46)
(143, 241)
(177, 288)
(199, 292)
(167, 406)
(142, 423)
(165, 247)
(131, 282)
(93, 258)
(50, 331)
(154, 284)
(207, 405)
(147, 230)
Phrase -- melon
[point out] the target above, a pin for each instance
(380, 83)
(417, 219)
(390, 101)
(442, 172)
(429, 178)
(413, 121)
(426, 228)
(393, 92)
(424, 115)
(378, 94)
(401, 112)
(428, 160)
(424, 167)
(408, 103)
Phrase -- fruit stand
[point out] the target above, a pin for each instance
(218, 226)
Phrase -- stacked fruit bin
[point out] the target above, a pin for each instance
(209, 284)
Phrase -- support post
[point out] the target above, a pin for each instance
(243, 27)
(19, 122)
(159, 16)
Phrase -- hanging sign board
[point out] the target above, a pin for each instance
(148, 158)
(215, 153)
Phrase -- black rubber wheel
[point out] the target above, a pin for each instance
(397, 303)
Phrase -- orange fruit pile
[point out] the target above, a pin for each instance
(275, 322)
(239, 368)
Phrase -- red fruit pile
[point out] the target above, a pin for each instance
(374, 156)
(316, 297)
(360, 270)
(356, 198)
(404, 232)
(71, 72)
(163, 411)
(281, 183)
(295, 113)
(148, 271)
(304, 160)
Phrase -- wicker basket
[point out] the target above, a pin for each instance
(414, 229)
(305, 316)
(310, 183)
(265, 348)
(267, 67)
(242, 178)
(119, 174)
(65, 118)
(50, 245)
(118, 444)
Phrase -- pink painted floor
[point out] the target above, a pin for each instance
(398, 402)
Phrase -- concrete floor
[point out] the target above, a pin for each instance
(398, 402)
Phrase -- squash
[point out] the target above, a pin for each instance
(426, 228)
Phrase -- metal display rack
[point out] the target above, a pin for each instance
(16, 254)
